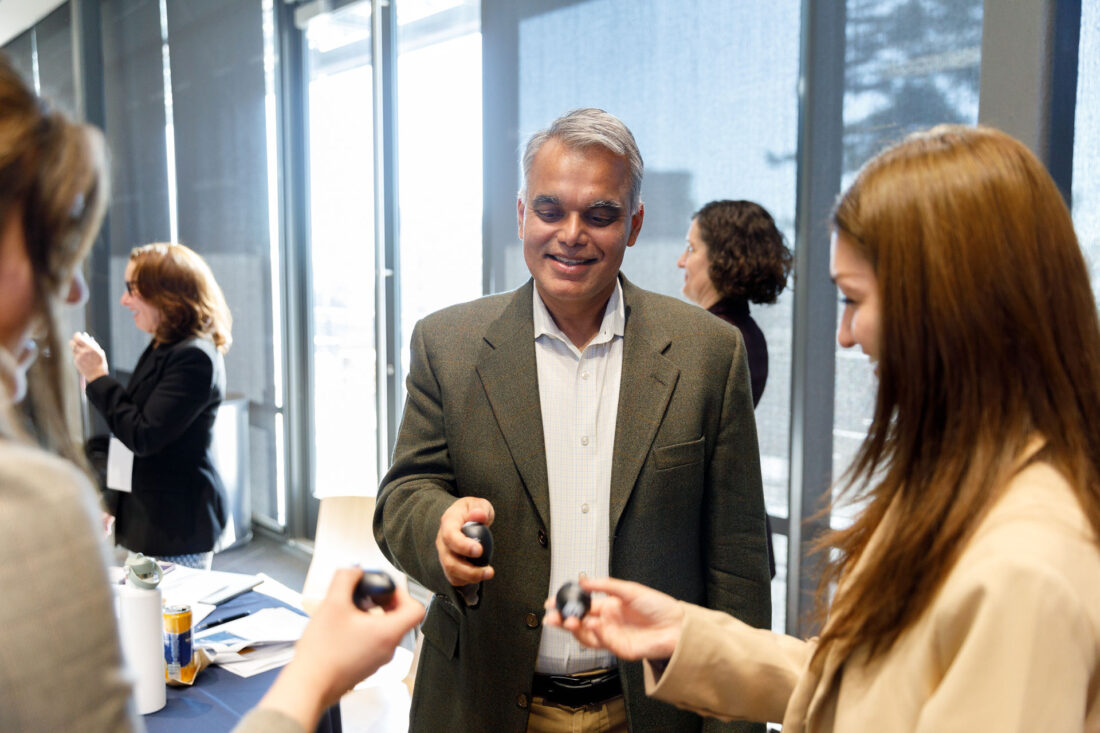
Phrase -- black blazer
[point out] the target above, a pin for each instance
(165, 415)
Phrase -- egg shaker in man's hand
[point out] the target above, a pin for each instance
(477, 531)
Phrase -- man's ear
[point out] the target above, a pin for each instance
(636, 225)
(520, 210)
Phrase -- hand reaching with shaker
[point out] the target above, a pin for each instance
(628, 619)
(342, 645)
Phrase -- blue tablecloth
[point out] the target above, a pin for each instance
(219, 699)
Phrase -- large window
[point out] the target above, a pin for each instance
(187, 87)
(342, 251)
(1086, 140)
(909, 65)
(439, 160)
(438, 170)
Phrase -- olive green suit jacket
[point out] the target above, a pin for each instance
(686, 505)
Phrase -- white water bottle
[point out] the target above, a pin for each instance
(141, 626)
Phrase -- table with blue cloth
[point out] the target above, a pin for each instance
(219, 699)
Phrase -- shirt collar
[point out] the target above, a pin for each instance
(613, 324)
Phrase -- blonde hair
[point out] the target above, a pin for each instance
(176, 281)
(53, 173)
(989, 338)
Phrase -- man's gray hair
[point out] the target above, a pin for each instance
(590, 127)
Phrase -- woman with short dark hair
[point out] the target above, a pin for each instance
(736, 255)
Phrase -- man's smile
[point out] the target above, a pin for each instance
(572, 260)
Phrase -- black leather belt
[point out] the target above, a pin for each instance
(577, 690)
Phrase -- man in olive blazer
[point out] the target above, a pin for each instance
(686, 511)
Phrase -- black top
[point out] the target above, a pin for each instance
(736, 311)
(165, 415)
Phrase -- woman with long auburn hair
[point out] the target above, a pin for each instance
(176, 505)
(967, 592)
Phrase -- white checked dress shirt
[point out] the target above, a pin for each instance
(579, 394)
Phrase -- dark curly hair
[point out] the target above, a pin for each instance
(746, 253)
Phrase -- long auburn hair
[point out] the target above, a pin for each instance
(53, 173)
(176, 281)
(989, 338)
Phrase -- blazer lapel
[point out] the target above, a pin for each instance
(648, 379)
(509, 376)
(146, 368)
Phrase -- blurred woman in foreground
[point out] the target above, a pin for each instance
(967, 593)
(57, 624)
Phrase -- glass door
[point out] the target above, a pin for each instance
(345, 386)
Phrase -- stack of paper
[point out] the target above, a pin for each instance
(256, 643)
(192, 587)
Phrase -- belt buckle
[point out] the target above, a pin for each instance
(579, 691)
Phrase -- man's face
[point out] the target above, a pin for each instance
(576, 225)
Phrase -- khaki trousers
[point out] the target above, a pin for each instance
(608, 716)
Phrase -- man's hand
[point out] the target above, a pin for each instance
(88, 357)
(455, 548)
(632, 621)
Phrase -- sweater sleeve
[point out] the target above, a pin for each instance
(729, 670)
(260, 720)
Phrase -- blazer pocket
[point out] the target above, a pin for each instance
(440, 628)
(680, 454)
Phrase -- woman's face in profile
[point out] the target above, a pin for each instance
(16, 286)
(18, 318)
(855, 278)
(698, 286)
(146, 315)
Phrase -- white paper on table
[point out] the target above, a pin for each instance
(187, 586)
(255, 660)
(266, 626)
(120, 466)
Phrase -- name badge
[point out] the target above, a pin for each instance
(120, 466)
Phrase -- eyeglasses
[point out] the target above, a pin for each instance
(131, 288)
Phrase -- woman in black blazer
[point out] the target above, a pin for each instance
(177, 507)
(735, 254)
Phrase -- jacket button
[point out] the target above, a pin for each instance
(542, 538)
(532, 621)
(521, 700)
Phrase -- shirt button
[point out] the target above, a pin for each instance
(542, 538)
(584, 509)
(584, 440)
(532, 621)
(584, 375)
(521, 700)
